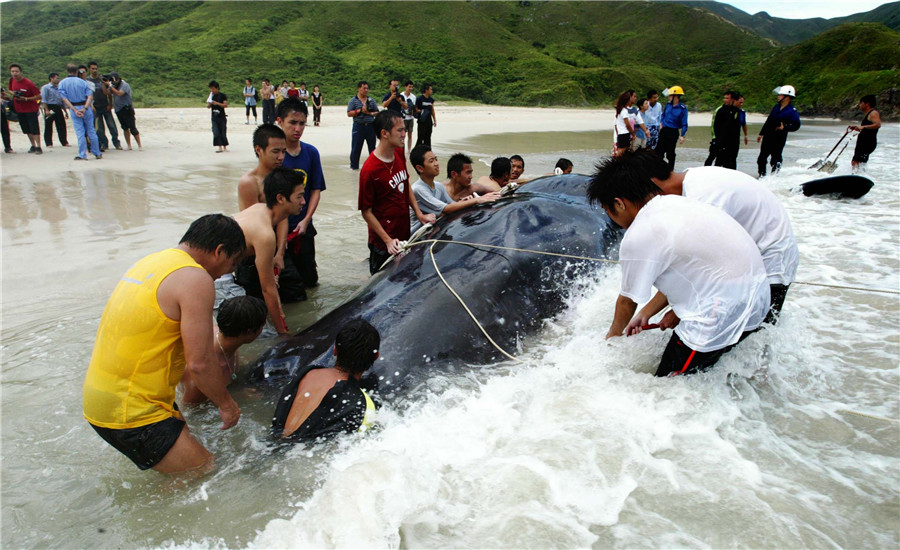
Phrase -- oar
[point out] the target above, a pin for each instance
(820, 163)
(831, 165)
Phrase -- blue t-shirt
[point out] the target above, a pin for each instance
(309, 164)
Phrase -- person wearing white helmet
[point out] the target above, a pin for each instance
(784, 118)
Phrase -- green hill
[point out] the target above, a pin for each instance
(794, 31)
(832, 71)
(516, 53)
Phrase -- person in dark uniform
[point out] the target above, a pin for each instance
(783, 119)
(868, 132)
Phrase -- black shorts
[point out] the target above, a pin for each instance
(623, 141)
(679, 358)
(28, 122)
(126, 119)
(147, 445)
(864, 148)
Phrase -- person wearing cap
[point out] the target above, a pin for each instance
(868, 130)
(124, 108)
(674, 120)
(784, 118)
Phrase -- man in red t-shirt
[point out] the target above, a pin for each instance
(26, 98)
(385, 195)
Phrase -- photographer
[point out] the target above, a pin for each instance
(25, 100)
(124, 108)
(394, 100)
(103, 114)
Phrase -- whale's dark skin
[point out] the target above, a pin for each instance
(424, 329)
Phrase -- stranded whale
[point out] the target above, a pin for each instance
(487, 255)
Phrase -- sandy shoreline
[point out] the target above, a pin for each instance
(182, 137)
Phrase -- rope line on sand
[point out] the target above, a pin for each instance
(845, 287)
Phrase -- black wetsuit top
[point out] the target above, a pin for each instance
(867, 136)
(342, 410)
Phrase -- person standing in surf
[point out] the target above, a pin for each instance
(670, 240)
(868, 132)
(385, 195)
(782, 119)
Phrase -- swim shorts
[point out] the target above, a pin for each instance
(146, 445)
(864, 148)
(679, 358)
(623, 141)
(126, 119)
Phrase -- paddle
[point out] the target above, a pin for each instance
(820, 163)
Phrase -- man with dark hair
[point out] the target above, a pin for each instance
(78, 98)
(267, 93)
(321, 402)
(250, 100)
(719, 126)
(653, 118)
(303, 94)
(124, 108)
(156, 326)
(362, 109)
(753, 206)
(729, 134)
(240, 321)
(782, 119)
(217, 103)
(868, 133)
(434, 198)
(25, 100)
(268, 146)
(304, 158)
(394, 100)
(703, 263)
(426, 116)
(103, 110)
(499, 177)
(516, 167)
(409, 113)
(385, 195)
(53, 112)
(563, 166)
(459, 170)
(284, 196)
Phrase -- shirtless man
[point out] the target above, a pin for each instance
(269, 146)
(516, 167)
(500, 171)
(459, 170)
(305, 412)
(239, 322)
(434, 198)
(284, 196)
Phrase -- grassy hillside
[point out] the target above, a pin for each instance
(794, 31)
(517, 53)
(832, 71)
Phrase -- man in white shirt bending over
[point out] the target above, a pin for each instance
(753, 206)
(704, 264)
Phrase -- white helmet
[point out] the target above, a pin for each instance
(785, 90)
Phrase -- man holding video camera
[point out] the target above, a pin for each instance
(103, 108)
(26, 98)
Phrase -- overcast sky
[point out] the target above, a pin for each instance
(805, 9)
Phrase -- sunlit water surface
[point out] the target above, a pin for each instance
(579, 446)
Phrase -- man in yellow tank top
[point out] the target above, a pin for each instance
(156, 324)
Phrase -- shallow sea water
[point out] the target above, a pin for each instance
(578, 447)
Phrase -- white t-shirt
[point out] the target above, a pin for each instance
(621, 129)
(409, 113)
(758, 211)
(704, 262)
